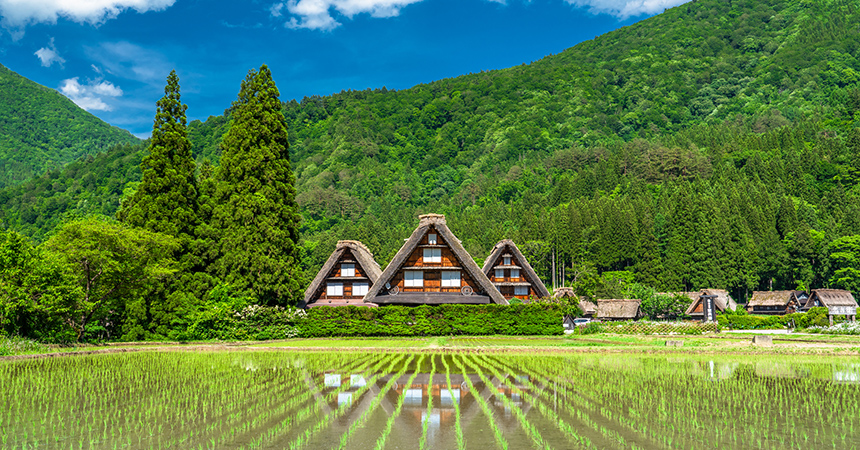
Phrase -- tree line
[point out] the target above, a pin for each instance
(178, 239)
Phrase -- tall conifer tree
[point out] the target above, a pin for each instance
(256, 215)
(166, 199)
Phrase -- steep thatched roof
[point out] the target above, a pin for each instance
(833, 297)
(722, 301)
(770, 298)
(362, 255)
(618, 308)
(469, 265)
(505, 246)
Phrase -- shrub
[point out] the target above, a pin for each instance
(425, 320)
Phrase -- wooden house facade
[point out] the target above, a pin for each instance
(512, 274)
(776, 303)
(345, 278)
(433, 268)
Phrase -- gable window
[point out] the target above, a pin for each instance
(500, 274)
(450, 279)
(413, 278)
(334, 289)
(506, 261)
(521, 290)
(347, 270)
(359, 289)
(515, 273)
(432, 255)
(431, 239)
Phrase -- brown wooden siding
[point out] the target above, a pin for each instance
(433, 277)
(508, 291)
(346, 258)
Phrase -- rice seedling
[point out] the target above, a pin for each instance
(458, 427)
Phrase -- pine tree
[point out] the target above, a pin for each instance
(166, 199)
(256, 215)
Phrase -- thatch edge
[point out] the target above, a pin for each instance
(497, 253)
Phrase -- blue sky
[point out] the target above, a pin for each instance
(112, 56)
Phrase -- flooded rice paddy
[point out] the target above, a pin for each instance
(355, 400)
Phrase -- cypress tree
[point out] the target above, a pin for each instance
(256, 215)
(166, 199)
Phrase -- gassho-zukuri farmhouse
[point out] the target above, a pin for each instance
(433, 268)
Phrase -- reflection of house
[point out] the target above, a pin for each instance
(722, 302)
(433, 268)
(512, 274)
(775, 302)
(618, 309)
(345, 277)
(837, 301)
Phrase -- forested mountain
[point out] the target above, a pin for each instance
(714, 145)
(40, 130)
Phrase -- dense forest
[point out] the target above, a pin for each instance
(42, 130)
(715, 145)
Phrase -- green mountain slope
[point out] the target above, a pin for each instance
(40, 129)
(714, 145)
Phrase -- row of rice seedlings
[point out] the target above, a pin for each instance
(581, 407)
(425, 425)
(362, 419)
(488, 412)
(324, 421)
(528, 427)
(308, 391)
(538, 401)
(156, 398)
(458, 427)
(380, 443)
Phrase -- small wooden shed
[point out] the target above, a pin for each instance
(722, 301)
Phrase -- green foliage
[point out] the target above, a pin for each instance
(442, 320)
(165, 201)
(42, 130)
(741, 321)
(255, 219)
(845, 257)
(109, 263)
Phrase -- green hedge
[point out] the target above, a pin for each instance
(442, 320)
(740, 320)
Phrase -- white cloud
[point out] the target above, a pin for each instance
(316, 14)
(17, 14)
(90, 96)
(48, 55)
(131, 61)
(624, 9)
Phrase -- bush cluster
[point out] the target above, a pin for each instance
(740, 320)
(647, 327)
(442, 320)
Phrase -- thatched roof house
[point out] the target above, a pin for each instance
(837, 301)
(722, 302)
(512, 274)
(775, 302)
(618, 309)
(345, 278)
(433, 268)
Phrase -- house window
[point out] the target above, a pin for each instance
(347, 270)
(334, 289)
(506, 260)
(515, 273)
(521, 290)
(431, 239)
(359, 289)
(450, 279)
(500, 274)
(432, 255)
(413, 278)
